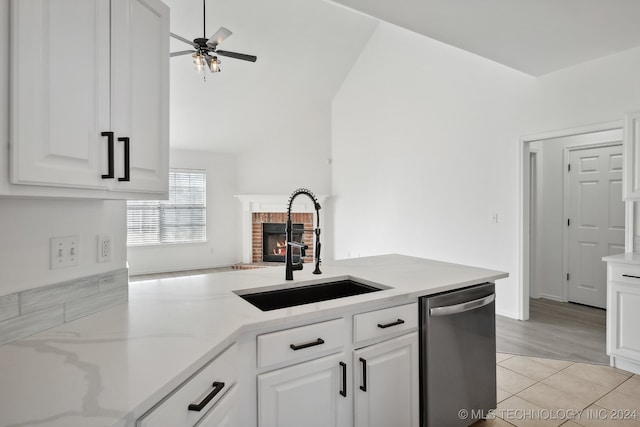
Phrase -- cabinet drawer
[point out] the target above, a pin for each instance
(625, 273)
(213, 380)
(385, 322)
(224, 414)
(300, 343)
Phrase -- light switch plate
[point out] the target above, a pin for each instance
(65, 251)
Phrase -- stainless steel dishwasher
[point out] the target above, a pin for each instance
(457, 356)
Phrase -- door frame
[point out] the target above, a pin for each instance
(534, 191)
(524, 220)
(565, 207)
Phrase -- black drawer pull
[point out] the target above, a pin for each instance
(388, 325)
(127, 169)
(217, 386)
(343, 391)
(295, 347)
(631, 275)
(110, 155)
(363, 387)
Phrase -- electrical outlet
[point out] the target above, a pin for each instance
(65, 251)
(104, 248)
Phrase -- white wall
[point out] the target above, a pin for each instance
(296, 156)
(426, 147)
(551, 225)
(422, 142)
(26, 225)
(223, 221)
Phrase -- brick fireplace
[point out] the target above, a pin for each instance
(262, 209)
(260, 249)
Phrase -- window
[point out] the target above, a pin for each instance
(180, 219)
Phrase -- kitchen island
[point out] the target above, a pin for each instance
(115, 366)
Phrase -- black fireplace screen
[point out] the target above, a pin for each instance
(274, 241)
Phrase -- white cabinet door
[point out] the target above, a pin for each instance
(60, 92)
(623, 318)
(140, 94)
(224, 414)
(386, 383)
(631, 184)
(307, 394)
(81, 68)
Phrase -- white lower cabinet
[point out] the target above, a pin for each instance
(225, 412)
(203, 392)
(386, 383)
(372, 382)
(309, 394)
(360, 370)
(623, 316)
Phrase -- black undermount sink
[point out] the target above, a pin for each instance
(289, 297)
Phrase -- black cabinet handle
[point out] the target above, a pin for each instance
(631, 275)
(110, 155)
(343, 391)
(217, 386)
(295, 347)
(388, 325)
(363, 387)
(126, 177)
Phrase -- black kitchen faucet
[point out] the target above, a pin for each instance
(290, 266)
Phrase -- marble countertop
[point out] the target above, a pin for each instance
(624, 258)
(108, 368)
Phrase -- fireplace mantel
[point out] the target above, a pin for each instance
(271, 203)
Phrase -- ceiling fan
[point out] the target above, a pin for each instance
(206, 49)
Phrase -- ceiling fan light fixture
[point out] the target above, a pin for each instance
(199, 61)
(204, 48)
(214, 65)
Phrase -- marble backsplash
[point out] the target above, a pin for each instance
(34, 310)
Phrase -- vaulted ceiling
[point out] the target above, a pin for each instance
(533, 36)
(306, 48)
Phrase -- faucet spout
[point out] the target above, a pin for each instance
(290, 267)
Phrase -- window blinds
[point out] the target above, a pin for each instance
(180, 219)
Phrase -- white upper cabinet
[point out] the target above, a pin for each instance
(140, 92)
(631, 181)
(89, 79)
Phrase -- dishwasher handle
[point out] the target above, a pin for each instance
(462, 307)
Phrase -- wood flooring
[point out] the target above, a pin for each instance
(555, 330)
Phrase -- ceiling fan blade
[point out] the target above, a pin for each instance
(182, 39)
(182, 52)
(235, 55)
(218, 37)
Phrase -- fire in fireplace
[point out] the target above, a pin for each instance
(274, 241)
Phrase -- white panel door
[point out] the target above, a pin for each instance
(140, 94)
(60, 92)
(307, 394)
(386, 383)
(597, 219)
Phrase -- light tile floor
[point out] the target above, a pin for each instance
(534, 391)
